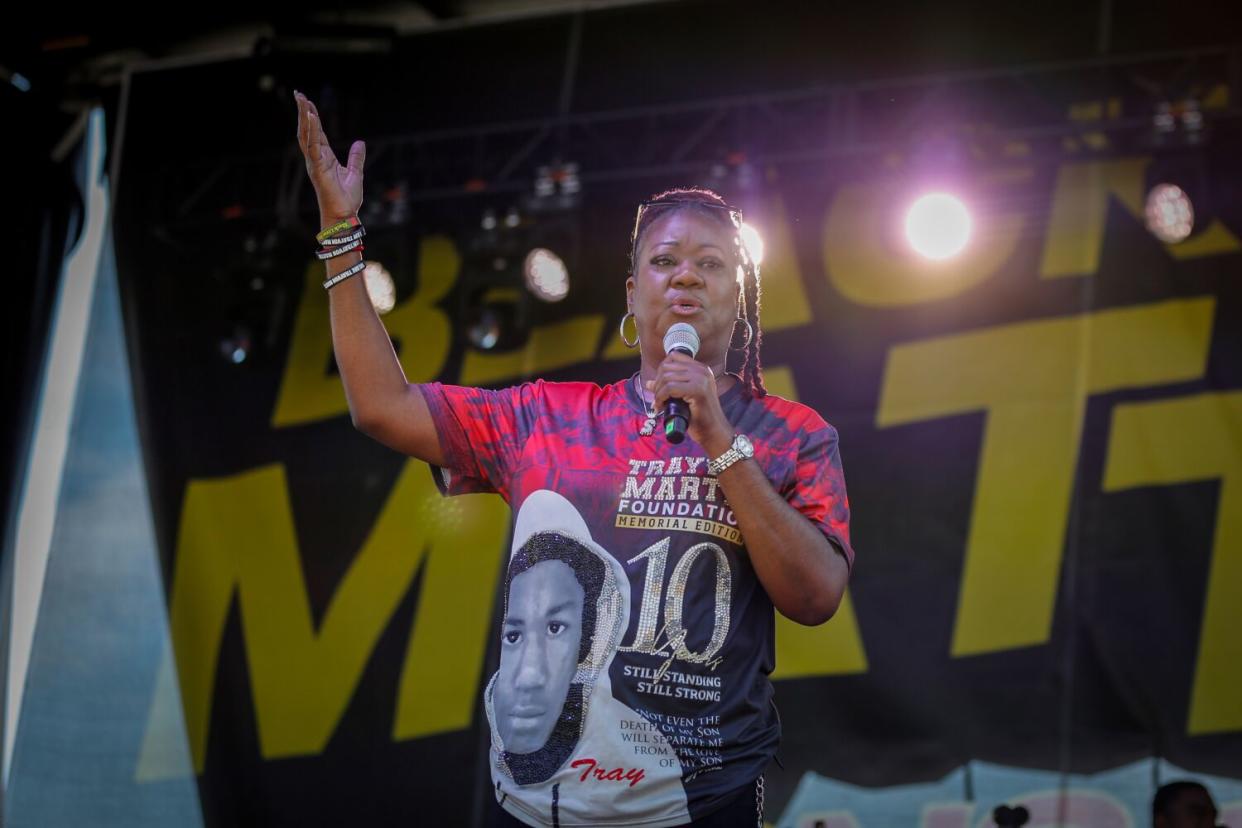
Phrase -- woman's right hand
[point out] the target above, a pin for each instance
(338, 188)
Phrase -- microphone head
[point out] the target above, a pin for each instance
(682, 336)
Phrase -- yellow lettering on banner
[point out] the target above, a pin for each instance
(549, 347)
(784, 299)
(1169, 442)
(1032, 380)
(871, 265)
(444, 659)
(779, 380)
(1095, 110)
(237, 538)
(1080, 208)
(309, 393)
(830, 649)
(614, 348)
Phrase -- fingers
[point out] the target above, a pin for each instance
(357, 156)
(684, 378)
(314, 129)
(300, 100)
(310, 133)
(311, 138)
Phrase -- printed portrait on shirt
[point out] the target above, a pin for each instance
(563, 615)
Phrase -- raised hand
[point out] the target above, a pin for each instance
(339, 189)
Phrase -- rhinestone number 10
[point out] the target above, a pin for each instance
(646, 636)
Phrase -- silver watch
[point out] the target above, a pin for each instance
(740, 450)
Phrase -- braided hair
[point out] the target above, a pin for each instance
(710, 203)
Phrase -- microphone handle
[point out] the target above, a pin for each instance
(677, 413)
(676, 420)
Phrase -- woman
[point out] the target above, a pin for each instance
(747, 514)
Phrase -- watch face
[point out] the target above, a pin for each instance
(744, 446)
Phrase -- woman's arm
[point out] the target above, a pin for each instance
(802, 571)
(381, 403)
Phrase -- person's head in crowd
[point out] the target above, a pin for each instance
(1183, 804)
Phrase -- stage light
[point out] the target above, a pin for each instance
(753, 243)
(1178, 123)
(390, 209)
(489, 220)
(1181, 195)
(1170, 214)
(380, 287)
(545, 187)
(545, 275)
(557, 186)
(938, 226)
(484, 330)
(236, 348)
(510, 270)
(571, 184)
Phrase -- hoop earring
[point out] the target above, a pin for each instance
(750, 332)
(628, 343)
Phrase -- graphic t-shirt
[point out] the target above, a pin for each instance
(636, 640)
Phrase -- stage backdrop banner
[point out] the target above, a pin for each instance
(1042, 441)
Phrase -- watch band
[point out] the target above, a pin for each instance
(739, 450)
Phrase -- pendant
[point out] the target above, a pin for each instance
(648, 427)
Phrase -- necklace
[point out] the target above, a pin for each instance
(648, 426)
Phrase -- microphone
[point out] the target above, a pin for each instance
(680, 337)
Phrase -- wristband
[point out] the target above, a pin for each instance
(345, 274)
(332, 254)
(339, 240)
(339, 227)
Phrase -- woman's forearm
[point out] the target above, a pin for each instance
(368, 365)
(802, 572)
(382, 404)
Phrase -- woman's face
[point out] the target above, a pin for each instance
(685, 271)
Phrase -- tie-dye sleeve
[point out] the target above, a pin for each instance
(481, 432)
(818, 489)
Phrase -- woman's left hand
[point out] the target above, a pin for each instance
(681, 377)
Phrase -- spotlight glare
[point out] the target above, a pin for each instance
(753, 243)
(546, 275)
(380, 287)
(484, 332)
(1169, 213)
(938, 226)
(236, 348)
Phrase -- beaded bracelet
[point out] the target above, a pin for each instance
(345, 274)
